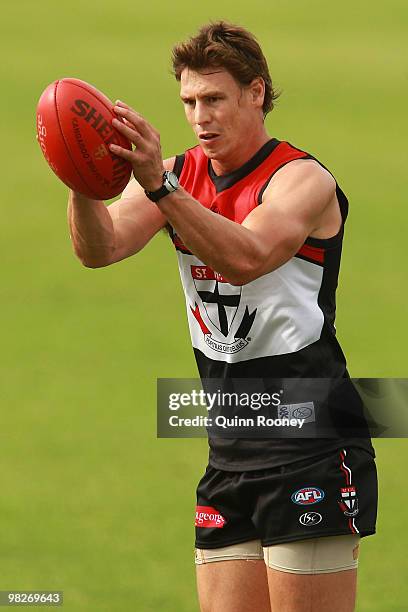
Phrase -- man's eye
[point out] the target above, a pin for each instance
(212, 99)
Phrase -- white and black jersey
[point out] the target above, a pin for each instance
(280, 325)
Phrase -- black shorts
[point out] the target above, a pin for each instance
(334, 494)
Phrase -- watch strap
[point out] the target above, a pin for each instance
(155, 196)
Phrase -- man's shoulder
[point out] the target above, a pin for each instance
(297, 171)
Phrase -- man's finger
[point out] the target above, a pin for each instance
(121, 152)
(131, 115)
(120, 103)
(127, 131)
(128, 123)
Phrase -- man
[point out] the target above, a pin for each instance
(262, 223)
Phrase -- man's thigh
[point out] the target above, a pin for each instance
(335, 592)
(248, 586)
(233, 586)
(233, 578)
(314, 575)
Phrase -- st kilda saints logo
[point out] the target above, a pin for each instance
(349, 501)
(221, 301)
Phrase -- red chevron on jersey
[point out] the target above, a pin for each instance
(314, 253)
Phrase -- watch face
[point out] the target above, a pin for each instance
(172, 180)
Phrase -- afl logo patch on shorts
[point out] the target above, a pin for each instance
(307, 496)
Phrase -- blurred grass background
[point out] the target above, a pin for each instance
(92, 503)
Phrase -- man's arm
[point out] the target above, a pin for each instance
(295, 205)
(299, 201)
(102, 235)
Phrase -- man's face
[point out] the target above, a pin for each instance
(220, 111)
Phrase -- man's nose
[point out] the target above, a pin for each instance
(201, 113)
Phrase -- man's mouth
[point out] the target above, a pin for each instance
(208, 136)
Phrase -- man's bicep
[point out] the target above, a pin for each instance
(278, 233)
(289, 213)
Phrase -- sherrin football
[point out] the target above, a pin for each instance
(74, 127)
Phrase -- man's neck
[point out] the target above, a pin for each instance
(245, 153)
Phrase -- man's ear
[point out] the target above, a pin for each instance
(257, 90)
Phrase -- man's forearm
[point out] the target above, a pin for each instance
(91, 230)
(225, 246)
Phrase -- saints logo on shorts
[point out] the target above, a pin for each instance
(349, 501)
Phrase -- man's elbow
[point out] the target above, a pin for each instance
(243, 279)
(261, 263)
(247, 272)
(94, 264)
(93, 261)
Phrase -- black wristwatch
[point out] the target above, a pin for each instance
(170, 184)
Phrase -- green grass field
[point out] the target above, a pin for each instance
(92, 503)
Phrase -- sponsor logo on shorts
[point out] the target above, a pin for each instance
(206, 516)
(308, 519)
(307, 496)
(349, 501)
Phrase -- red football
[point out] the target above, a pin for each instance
(74, 127)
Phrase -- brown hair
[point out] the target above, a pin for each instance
(223, 45)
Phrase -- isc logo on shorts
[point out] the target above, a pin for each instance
(307, 496)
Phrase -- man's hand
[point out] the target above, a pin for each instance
(146, 158)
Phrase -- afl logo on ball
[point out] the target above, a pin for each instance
(308, 519)
(101, 152)
(307, 496)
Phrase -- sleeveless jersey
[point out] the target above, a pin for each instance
(280, 325)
